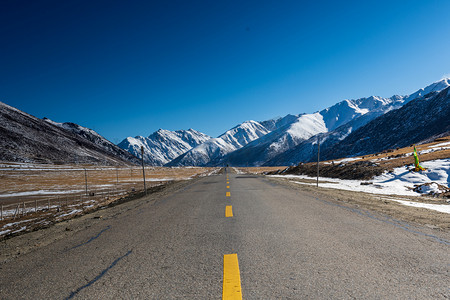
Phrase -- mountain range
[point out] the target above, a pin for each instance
(163, 146)
(293, 138)
(414, 122)
(348, 128)
(306, 151)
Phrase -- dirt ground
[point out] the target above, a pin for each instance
(379, 203)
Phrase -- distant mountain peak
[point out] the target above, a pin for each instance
(215, 148)
(163, 145)
(434, 87)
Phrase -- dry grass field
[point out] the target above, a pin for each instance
(30, 191)
(259, 170)
(393, 158)
(24, 182)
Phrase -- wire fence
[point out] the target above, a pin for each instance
(58, 205)
(31, 194)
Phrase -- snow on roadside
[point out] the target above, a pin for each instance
(40, 192)
(399, 182)
(437, 171)
(213, 172)
(74, 211)
(438, 207)
(238, 171)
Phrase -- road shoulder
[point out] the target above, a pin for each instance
(376, 203)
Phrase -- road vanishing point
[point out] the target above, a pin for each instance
(232, 236)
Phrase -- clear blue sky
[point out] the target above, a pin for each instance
(127, 68)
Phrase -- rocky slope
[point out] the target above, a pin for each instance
(25, 138)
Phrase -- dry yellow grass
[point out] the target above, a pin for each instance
(403, 156)
(21, 182)
(259, 170)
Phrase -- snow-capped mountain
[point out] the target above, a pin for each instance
(307, 150)
(25, 138)
(297, 141)
(281, 139)
(213, 149)
(305, 126)
(416, 121)
(434, 87)
(286, 140)
(163, 146)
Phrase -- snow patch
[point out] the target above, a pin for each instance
(438, 207)
(399, 182)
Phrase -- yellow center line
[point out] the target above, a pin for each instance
(228, 186)
(228, 194)
(231, 278)
(228, 211)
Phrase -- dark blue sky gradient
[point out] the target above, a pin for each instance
(127, 68)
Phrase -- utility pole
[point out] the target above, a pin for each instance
(318, 159)
(143, 168)
(85, 180)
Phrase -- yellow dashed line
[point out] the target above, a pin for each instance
(231, 278)
(228, 186)
(228, 194)
(228, 211)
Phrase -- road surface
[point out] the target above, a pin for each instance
(274, 242)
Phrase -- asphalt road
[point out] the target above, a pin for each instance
(288, 244)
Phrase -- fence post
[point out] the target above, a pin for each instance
(143, 168)
(85, 180)
(16, 211)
